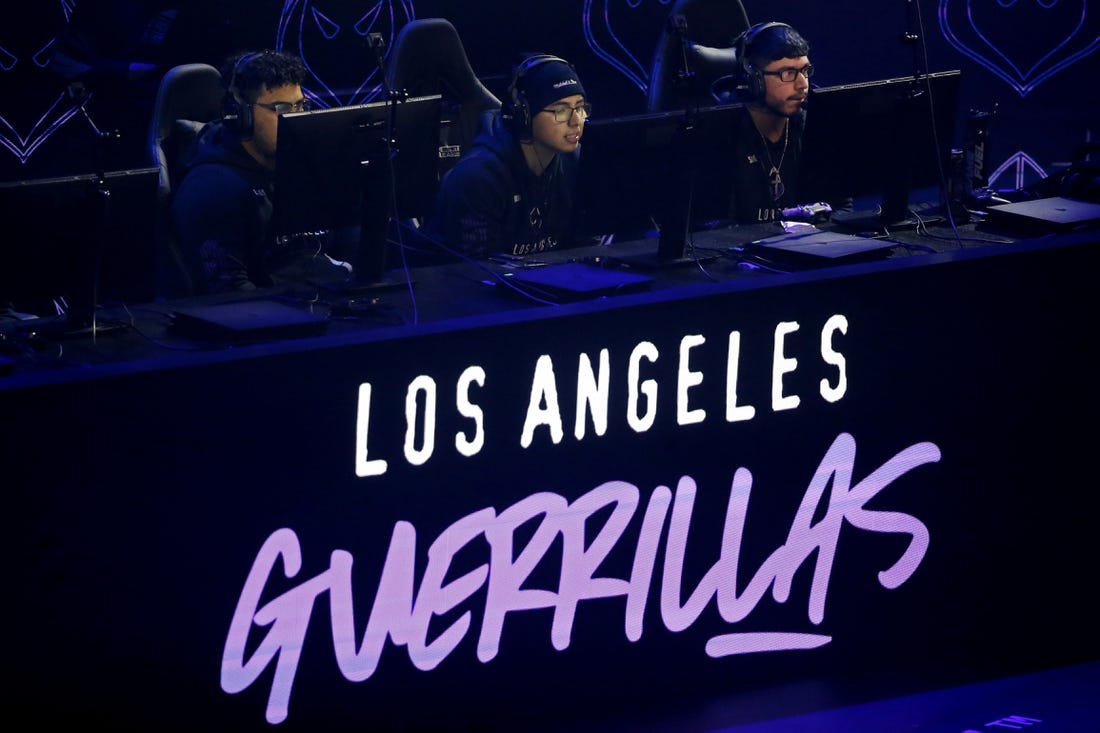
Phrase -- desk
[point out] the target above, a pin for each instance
(854, 484)
(439, 296)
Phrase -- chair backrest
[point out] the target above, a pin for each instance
(189, 96)
(428, 57)
(702, 33)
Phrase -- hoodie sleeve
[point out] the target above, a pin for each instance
(472, 208)
(216, 215)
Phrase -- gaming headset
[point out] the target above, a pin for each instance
(518, 108)
(750, 83)
(237, 115)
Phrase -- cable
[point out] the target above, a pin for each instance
(944, 197)
(377, 43)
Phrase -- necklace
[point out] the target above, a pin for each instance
(541, 188)
(775, 180)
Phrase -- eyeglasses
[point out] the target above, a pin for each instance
(565, 113)
(790, 73)
(281, 108)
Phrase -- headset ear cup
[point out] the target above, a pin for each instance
(244, 120)
(521, 113)
(743, 72)
(232, 111)
(756, 88)
(236, 115)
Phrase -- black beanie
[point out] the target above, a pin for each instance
(546, 82)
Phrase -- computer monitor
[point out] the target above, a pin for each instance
(651, 176)
(878, 140)
(358, 166)
(75, 242)
(623, 163)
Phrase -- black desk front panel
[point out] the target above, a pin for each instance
(799, 494)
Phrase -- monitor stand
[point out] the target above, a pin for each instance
(870, 220)
(354, 287)
(873, 220)
(657, 261)
(895, 213)
(369, 274)
(80, 318)
(672, 240)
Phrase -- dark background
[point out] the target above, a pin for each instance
(1033, 61)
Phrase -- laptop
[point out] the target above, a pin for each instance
(817, 248)
(246, 321)
(1055, 214)
(572, 281)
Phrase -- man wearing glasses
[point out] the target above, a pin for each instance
(222, 208)
(512, 191)
(773, 80)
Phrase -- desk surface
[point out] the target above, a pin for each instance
(459, 295)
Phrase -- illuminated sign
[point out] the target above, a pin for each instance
(544, 409)
(589, 528)
(813, 492)
(403, 617)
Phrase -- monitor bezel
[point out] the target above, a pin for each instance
(358, 166)
(880, 141)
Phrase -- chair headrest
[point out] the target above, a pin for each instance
(428, 57)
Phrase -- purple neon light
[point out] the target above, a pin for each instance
(979, 45)
(1017, 166)
(612, 50)
(329, 37)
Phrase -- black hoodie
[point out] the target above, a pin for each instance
(491, 202)
(222, 211)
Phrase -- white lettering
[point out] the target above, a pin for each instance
(363, 465)
(422, 385)
(542, 408)
(831, 356)
(734, 411)
(782, 365)
(641, 421)
(686, 379)
(464, 444)
(592, 395)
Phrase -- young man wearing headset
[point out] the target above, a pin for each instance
(222, 209)
(773, 80)
(512, 191)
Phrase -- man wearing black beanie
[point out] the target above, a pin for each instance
(512, 191)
